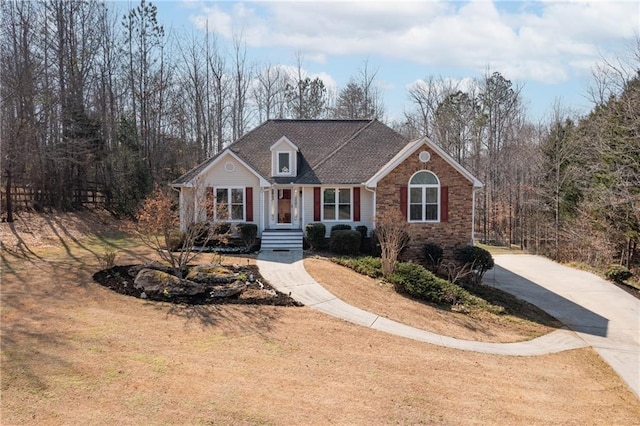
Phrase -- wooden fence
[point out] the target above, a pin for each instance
(25, 197)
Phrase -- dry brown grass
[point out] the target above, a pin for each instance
(75, 353)
(380, 298)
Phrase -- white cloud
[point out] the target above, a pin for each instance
(545, 41)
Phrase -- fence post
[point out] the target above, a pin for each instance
(9, 200)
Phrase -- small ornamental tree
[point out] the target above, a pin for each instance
(392, 237)
(157, 223)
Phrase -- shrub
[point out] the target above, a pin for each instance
(222, 228)
(340, 227)
(175, 239)
(345, 242)
(415, 280)
(418, 282)
(200, 233)
(314, 233)
(365, 243)
(249, 234)
(366, 265)
(362, 230)
(108, 259)
(618, 274)
(433, 254)
(475, 259)
(374, 245)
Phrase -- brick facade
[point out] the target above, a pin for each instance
(457, 230)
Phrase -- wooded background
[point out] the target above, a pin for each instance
(101, 105)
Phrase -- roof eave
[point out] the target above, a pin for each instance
(411, 148)
(191, 183)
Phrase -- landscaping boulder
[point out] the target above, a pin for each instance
(134, 270)
(158, 284)
(228, 290)
(211, 274)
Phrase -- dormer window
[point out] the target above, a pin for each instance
(284, 163)
(284, 158)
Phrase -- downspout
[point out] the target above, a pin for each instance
(373, 219)
(266, 208)
(473, 215)
(261, 217)
(302, 212)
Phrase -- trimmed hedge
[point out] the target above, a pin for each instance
(249, 234)
(314, 233)
(340, 227)
(362, 230)
(365, 243)
(345, 242)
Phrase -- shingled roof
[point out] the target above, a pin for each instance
(330, 151)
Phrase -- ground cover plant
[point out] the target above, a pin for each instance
(74, 352)
(476, 301)
(416, 281)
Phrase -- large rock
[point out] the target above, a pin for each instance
(227, 290)
(158, 284)
(211, 274)
(134, 270)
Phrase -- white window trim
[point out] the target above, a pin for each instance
(277, 171)
(228, 202)
(424, 198)
(337, 207)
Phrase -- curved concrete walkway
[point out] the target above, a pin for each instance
(597, 313)
(285, 271)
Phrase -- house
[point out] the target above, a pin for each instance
(285, 174)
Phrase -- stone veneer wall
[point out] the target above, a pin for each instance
(455, 232)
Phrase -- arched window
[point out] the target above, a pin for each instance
(424, 197)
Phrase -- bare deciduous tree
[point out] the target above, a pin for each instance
(392, 237)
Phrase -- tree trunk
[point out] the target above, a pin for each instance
(9, 199)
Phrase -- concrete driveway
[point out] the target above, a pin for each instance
(606, 317)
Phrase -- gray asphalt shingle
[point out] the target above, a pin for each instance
(330, 151)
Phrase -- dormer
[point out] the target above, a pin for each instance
(284, 158)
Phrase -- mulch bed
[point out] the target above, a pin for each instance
(119, 280)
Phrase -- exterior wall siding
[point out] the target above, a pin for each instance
(186, 209)
(366, 211)
(455, 232)
(230, 173)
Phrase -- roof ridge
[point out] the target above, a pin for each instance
(345, 143)
(323, 119)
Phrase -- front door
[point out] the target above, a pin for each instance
(284, 206)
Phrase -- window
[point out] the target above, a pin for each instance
(230, 203)
(424, 202)
(284, 163)
(336, 204)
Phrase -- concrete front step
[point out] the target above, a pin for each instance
(277, 239)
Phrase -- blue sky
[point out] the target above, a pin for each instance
(547, 47)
